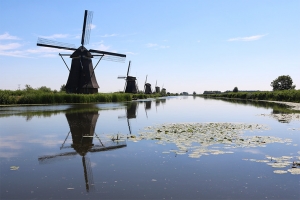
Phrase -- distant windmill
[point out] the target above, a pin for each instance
(130, 85)
(157, 88)
(147, 87)
(82, 77)
(163, 90)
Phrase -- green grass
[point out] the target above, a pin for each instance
(282, 95)
(36, 96)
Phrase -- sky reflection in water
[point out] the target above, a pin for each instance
(67, 152)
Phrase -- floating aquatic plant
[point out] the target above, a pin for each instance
(282, 162)
(14, 168)
(195, 138)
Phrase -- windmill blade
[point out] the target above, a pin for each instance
(86, 29)
(146, 79)
(121, 77)
(110, 58)
(54, 44)
(114, 59)
(156, 83)
(107, 53)
(46, 159)
(88, 174)
(128, 68)
(129, 126)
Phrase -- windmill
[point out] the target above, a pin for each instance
(82, 128)
(147, 87)
(130, 85)
(157, 88)
(82, 77)
(163, 90)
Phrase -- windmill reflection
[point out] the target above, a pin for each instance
(82, 128)
(147, 106)
(131, 112)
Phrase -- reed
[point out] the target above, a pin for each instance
(282, 95)
(33, 96)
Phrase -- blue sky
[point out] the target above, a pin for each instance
(193, 45)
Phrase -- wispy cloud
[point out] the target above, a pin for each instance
(56, 36)
(130, 53)
(100, 46)
(7, 36)
(15, 51)
(151, 45)
(92, 26)
(9, 46)
(109, 35)
(246, 39)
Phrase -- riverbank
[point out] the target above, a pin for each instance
(25, 98)
(287, 97)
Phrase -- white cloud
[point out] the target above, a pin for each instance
(130, 53)
(55, 36)
(246, 39)
(92, 26)
(109, 35)
(103, 47)
(150, 45)
(30, 53)
(164, 47)
(9, 46)
(7, 36)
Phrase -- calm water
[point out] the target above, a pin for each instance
(67, 152)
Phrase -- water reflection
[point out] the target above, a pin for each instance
(280, 112)
(82, 129)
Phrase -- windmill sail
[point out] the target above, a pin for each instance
(86, 30)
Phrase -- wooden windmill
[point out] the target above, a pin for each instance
(163, 90)
(157, 88)
(147, 87)
(82, 128)
(130, 85)
(82, 77)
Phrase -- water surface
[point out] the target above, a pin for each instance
(75, 152)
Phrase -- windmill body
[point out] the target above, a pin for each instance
(130, 85)
(82, 77)
(82, 80)
(157, 88)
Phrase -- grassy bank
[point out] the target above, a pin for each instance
(282, 95)
(49, 97)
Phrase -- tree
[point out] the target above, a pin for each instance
(44, 89)
(235, 89)
(194, 93)
(283, 82)
(62, 88)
